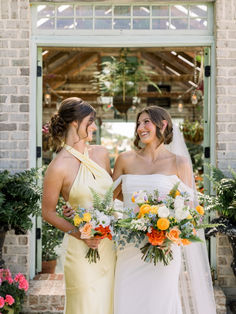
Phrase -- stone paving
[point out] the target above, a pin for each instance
(47, 296)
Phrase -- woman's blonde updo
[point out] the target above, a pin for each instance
(71, 109)
(157, 115)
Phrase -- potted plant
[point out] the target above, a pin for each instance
(12, 292)
(192, 131)
(51, 239)
(122, 78)
(19, 201)
(224, 203)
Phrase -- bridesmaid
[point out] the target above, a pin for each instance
(76, 168)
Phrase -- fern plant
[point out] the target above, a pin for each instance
(103, 204)
(19, 199)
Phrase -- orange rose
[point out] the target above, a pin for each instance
(86, 231)
(156, 237)
(104, 232)
(144, 209)
(173, 235)
(185, 241)
(200, 210)
(163, 223)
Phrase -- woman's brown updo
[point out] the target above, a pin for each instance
(157, 115)
(71, 109)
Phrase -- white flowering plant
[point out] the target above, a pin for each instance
(162, 221)
(95, 222)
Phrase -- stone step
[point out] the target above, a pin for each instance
(46, 295)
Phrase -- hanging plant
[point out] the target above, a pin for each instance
(193, 131)
(122, 77)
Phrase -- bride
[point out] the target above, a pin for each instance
(184, 286)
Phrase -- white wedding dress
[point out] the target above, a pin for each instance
(141, 287)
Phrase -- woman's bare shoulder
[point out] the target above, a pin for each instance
(59, 165)
(127, 155)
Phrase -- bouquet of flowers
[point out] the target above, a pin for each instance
(163, 221)
(12, 291)
(95, 222)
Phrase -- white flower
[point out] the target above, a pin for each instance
(182, 213)
(163, 211)
(179, 202)
(139, 224)
(139, 197)
(103, 219)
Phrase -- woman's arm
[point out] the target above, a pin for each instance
(118, 171)
(52, 186)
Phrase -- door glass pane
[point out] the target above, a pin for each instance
(65, 23)
(103, 24)
(121, 24)
(103, 10)
(179, 10)
(122, 10)
(141, 10)
(65, 10)
(46, 23)
(141, 23)
(179, 23)
(198, 24)
(46, 10)
(198, 10)
(160, 23)
(84, 24)
(84, 10)
(160, 10)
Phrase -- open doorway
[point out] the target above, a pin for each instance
(177, 71)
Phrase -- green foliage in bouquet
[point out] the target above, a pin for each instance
(19, 199)
(103, 204)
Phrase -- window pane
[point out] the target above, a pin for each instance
(45, 23)
(179, 24)
(160, 23)
(122, 24)
(122, 10)
(103, 10)
(141, 23)
(103, 24)
(198, 10)
(179, 10)
(46, 10)
(141, 10)
(198, 24)
(84, 23)
(160, 10)
(65, 10)
(84, 10)
(65, 23)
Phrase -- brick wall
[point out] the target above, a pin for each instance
(14, 110)
(14, 84)
(226, 83)
(225, 116)
(16, 253)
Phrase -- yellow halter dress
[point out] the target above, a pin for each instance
(89, 287)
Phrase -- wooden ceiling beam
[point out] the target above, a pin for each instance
(73, 79)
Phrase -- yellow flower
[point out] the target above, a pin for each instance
(200, 210)
(189, 217)
(144, 209)
(177, 193)
(87, 217)
(133, 199)
(163, 223)
(154, 209)
(77, 220)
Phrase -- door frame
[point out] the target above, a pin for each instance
(117, 41)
